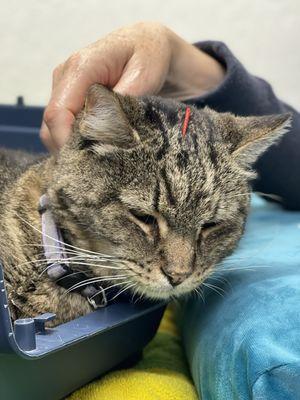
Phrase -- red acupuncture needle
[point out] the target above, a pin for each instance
(186, 121)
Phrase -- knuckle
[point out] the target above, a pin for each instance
(50, 114)
(74, 59)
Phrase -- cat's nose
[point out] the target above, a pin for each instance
(175, 278)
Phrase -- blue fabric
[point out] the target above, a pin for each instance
(245, 344)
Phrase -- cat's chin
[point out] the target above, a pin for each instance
(162, 293)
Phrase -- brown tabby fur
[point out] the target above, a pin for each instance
(129, 184)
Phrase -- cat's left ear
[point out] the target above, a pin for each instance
(253, 135)
(104, 121)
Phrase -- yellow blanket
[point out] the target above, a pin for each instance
(162, 374)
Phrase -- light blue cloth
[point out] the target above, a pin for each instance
(246, 344)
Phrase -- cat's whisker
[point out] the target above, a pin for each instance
(56, 240)
(225, 269)
(59, 261)
(175, 300)
(136, 292)
(86, 255)
(268, 195)
(124, 290)
(46, 269)
(99, 265)
(216, 289)
(197, 290)
(234, 258)
(117, 284)
(251, 268)
(133, 295)
(80, 271)
(224, 264)
(142, 294)
(50, 246)
(117, 293)
(98, 280)
(43, 260)
(199, 293)
(105, 277)
(83, 254)
(56, 260)
(125, 282)
(62, 260)
(70, 251)
(219, 279)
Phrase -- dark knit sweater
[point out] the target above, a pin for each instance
(244, 94)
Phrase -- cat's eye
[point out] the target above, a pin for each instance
(209, 225)
(144, 218)
(207, 228)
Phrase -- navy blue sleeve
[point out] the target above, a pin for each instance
(244, 94)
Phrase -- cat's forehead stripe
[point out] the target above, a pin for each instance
(154, 117)
(195, 142)
(156, 196)
(157, 114)
(211, 132)
(182, 159)
(171, 198)
(164, 147)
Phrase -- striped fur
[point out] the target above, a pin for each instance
(128, 184)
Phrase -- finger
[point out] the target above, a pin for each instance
(70, 84)
(66, 101)
(139, 78)
(47, 139)
(59, 125)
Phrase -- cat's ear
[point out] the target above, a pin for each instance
(249, 137)
(104, 121)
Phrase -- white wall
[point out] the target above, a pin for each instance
(36, 35)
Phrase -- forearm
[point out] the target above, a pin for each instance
(192, 73)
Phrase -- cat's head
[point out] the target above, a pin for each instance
(170, 206)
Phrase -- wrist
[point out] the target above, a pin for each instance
(192, 72)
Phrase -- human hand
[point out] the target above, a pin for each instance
(145, 58)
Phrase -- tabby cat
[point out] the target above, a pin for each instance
(141, 206)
